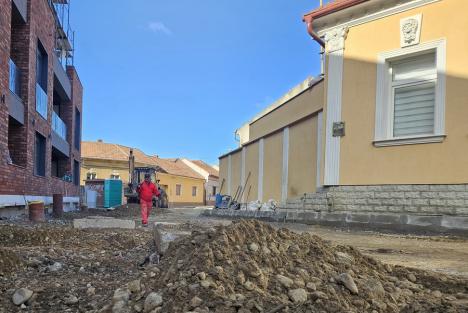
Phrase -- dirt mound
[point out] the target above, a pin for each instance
(251, 267)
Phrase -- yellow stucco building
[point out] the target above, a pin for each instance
(183, 185)
(383, 129)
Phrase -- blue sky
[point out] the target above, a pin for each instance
(176, 78)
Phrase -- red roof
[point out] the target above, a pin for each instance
(331, 7)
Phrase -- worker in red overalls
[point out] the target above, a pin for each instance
(147, 190)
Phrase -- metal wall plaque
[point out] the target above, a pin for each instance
(338, 129)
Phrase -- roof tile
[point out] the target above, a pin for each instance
(115, 152)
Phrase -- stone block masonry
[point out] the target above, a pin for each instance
(396, 208)
(451, 200)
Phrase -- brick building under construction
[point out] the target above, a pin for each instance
(40, 104)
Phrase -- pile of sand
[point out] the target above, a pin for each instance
(251, 267)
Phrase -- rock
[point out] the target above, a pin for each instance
(21, 296)
(388, 268)
(299, 283)
(194, 287)
(348, 282)
(152, 301)
(374, 289)
(437, 294)
(265, 250)
(249, 285)
(120, 307)
(411, 277)
(311, 286)
(121, 295)
(343, 257)
(70, 299)
(298, 295)
(23, 306)
(134, 286)
(138, 308)
(201, 275)
(205, 284)
(253, 247)
(285, 281)
(195, 302)
(318, 295)
(55, 267)
(91, 291)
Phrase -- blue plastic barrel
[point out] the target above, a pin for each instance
(219, 200)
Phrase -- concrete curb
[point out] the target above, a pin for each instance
(103, 222)
(402, 223)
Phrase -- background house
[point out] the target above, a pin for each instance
(211, 175)
(183, 185)
(40, 104)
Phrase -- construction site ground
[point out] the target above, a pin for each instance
(78, 270)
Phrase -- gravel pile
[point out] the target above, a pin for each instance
(251, 267)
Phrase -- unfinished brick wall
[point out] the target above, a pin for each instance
(20, 43)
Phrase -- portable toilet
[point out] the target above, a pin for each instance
(112, 193)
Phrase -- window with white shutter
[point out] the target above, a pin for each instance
(413, 95)
(410, 102)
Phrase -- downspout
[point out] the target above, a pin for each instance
(314, 35)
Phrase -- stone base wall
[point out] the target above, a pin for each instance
(451, 200)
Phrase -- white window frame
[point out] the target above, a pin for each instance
(384, 103)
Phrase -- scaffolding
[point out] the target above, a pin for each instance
(65, 36)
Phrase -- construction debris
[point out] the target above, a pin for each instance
(251, 267)
(48, 268)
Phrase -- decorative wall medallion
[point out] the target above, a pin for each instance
(335, 39)
(410, 30)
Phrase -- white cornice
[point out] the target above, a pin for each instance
(351, 21)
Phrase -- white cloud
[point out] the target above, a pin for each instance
(159, 27)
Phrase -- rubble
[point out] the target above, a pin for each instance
(55, 268)
(218, 271)
(21, 296)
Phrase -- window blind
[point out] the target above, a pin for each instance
(414, 83)
(414, 110)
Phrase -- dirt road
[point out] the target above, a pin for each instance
(73, 270)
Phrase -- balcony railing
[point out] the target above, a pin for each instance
(15, 78)
(59, 126)
(65, 36)
(41, 101)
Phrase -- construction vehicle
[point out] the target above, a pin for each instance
(137, 176)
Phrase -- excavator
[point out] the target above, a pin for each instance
(137, 175)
